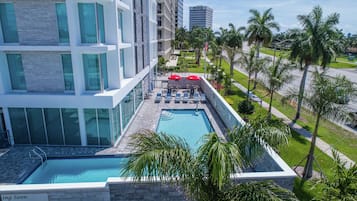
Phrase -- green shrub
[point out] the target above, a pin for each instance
(246, 107)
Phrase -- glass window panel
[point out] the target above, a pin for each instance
(100, 21)
(53, 126)
(67, 72)
(16, 71)
(36, 127)
(87, 22)
(138, 95)
(8, 23)
(91, 126)
(104, 127)
(120, 21)
(91, 72)
(62, 22)
(71, 126)
(116, 122)
(127, 106)
(19, 125)
(103, 64)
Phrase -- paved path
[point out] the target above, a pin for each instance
(323, 146)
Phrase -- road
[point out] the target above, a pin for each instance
(351, 74)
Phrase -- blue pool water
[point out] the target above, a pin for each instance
(77, 170)
(188, 124)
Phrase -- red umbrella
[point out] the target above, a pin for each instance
(193, 77)
(174, 77)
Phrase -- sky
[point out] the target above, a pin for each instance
(285, 11)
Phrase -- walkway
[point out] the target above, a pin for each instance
(323, 146)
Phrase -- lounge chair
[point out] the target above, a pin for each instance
(196, 97)
(185, 97)
(203, 98)
(178, 98)
(168, 97)
(158, 98)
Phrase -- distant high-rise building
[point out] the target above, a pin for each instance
(201, 16)
(165, 26)
(179, 14)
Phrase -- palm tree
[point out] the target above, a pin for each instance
(233, 42)
(180, 36)
(323, 98)
(276, 76)
(309, 44)
(220, 38)
(260, 31)
(342, 185)
(197, 38)
(248, 63)
(203, 173)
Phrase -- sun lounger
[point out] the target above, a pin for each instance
(178, 98)
(185, 97)
(196, 98)
(203, 98)
(168, 97)
(158, 98)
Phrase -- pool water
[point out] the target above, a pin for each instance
(190, 125)
(77, 170)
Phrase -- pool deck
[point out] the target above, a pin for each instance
(148, 117)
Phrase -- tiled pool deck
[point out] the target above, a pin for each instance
(15, 164)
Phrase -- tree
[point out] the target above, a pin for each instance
(276, 76)
(309, 44)
(322, 99)
(197, 38)
(180, 37)
(202, 174)
(342, 184)
(247, 62)
(227, 84)
(220, 39)
(259, 31)
(233, 42)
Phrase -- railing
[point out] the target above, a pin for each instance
(39, 153)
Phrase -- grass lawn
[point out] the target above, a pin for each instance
(342, 140)
(342, 62)
(293, 153)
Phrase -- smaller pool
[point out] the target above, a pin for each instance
(77, 170)
(188, 124)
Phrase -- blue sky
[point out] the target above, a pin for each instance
(285, 11)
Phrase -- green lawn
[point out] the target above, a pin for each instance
(341, 62)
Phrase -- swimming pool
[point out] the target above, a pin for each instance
(188, 124)
(77, 170)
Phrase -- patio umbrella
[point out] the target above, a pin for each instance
(193, 77)
(174, 77)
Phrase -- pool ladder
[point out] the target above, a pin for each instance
(37, 151)
(166, 115)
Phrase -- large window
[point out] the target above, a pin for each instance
(67, 72)
(97, 126)
(95, 70)
(116, 122)
(36, 126)
(62, 22)
(120, 23)
(16, 71)
(71, 126)
(138, 95)
(8, 23)
(19, 125)
(54, 126)
(127, 106)
(91, 19)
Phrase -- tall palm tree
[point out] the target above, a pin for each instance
(181, 36)
(259, 31)
(220, 39)
(323, 98)
(233, 42)
(197, 38)
(310, 44)
(203, 173)
(276, 76)
(247, 61)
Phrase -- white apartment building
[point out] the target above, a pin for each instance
(74, 72)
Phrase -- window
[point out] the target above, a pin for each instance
(71, 126)
(54, 126)
(91, 20)
(120, 24)
(67, 72)
(36, 127)
(97, 126)
(135, 35)
(127, 106)
(136, 60)
(138, 95)
(19, 125)
(116, 122)
(95, 72)
(8, 23)
(62, 22)
(16, 71)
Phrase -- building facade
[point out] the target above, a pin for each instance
(179, 14)
(165, 26)
(74, 72)
(200, 16)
